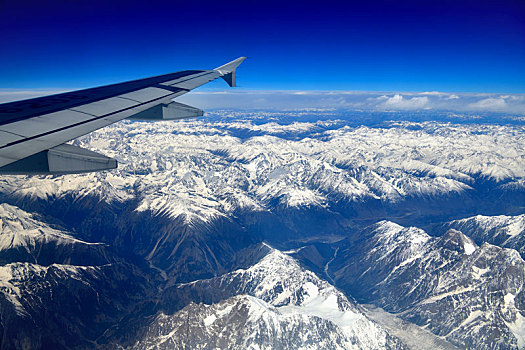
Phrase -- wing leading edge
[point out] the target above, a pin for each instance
(33, 132)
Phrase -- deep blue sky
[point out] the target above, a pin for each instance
(383, 45)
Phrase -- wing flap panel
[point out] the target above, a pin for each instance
(171, 111)
(17, 150)
(63, 159)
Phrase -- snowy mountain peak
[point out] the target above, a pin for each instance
(455, 240)
(392, 239)
(280, 281)
(22, 231)
(501, 230)
(14, 219)
(245, 322)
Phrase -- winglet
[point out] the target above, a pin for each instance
(227, 71)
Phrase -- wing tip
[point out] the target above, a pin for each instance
(230, 66)
(227, 71)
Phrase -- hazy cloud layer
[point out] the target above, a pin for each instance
(377, 101)
(360, 100)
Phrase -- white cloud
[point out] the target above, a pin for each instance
(436, 93)
(518, 98)
(397, 101)
(362, 100)
(489, 104)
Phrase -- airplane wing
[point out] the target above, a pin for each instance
(33, 132)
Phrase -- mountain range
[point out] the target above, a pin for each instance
(272, 230)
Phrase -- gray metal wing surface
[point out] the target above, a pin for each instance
(33, 132)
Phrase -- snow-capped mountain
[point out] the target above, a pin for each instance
(245, 322)
(24, 238)
(471, 295)
(201, 170)
(56, 290)
(502, 230)
(274, 303)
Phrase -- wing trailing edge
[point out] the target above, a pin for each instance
(60, 160)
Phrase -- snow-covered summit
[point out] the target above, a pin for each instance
(21, 229)
(502, 230)
(279, 280)
(246, 322)
(24, 237)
